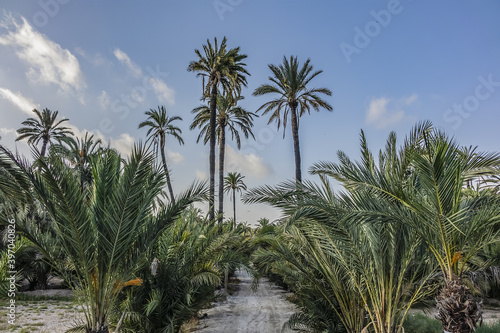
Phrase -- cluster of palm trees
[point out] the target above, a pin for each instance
(105, 223)
(222, 69)
(224, 74)
(405, 229)
(110, 234)
(408, 227)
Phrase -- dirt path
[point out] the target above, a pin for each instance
(264, 311)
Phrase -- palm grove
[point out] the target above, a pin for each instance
(415, 223)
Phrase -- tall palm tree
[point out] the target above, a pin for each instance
(160, 125)
(230, 116)
(44, 129)
(222, 68)
(293, 97)
(234, 182)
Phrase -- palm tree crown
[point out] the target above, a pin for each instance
(44, 129)
(293, 97)
(221, 67)
(79, 152)
(228, 115)
(159, 126)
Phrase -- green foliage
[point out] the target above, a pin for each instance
(187, 267)
(18, 249)
(365, 247)
(420, 323)
(101, 231)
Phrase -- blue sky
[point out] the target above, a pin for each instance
(102, 64)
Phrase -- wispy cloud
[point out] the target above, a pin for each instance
(95, 59)
(383, 112)
(104, 100)
(125, 60)
(247, 164)
(24, 104)
(201, 175)
(164, 93)
(175, 157)
(8, 131)
(49, 62)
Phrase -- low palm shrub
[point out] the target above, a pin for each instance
(189, 261)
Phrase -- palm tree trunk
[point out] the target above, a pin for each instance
(226, 279)
(164, 161)
(222, 151)
(213, 110)
(44, 147)
(296, 149)
(458, 311)
(234, 207)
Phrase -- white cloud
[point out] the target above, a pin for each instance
(103, 100)
(174, 157)
(123, 144)
(201, 175)
(125, 59)
(96, 59)
(49, 62)
(8, 131)
(23, 103)
(163, 92)
(409, 100)
(383, 112)
(247, 164)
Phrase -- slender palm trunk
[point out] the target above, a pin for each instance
(296, 149)
(164, 161)
(213, 106)
(222, 151)
(44, 147)
(226, 279)
(234, 207)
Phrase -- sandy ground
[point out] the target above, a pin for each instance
(245, 311)
(44, 316)
(263, 311)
